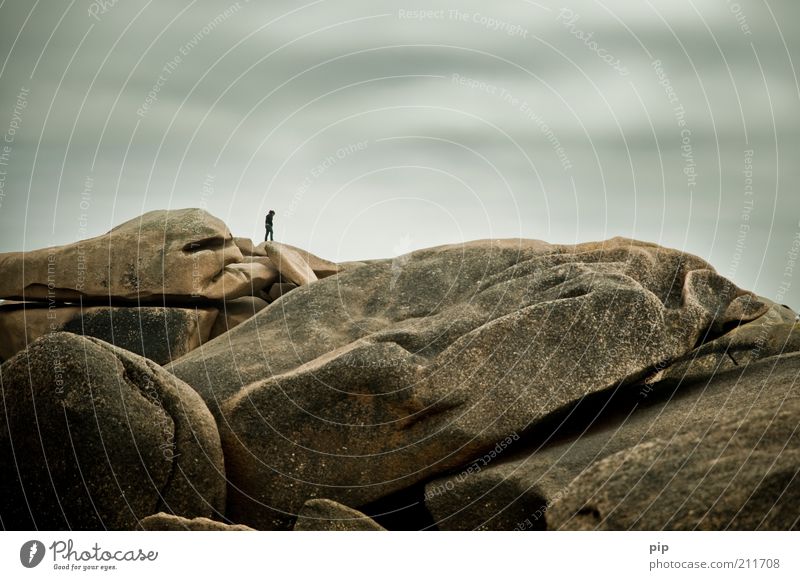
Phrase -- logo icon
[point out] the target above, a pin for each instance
(31, 553)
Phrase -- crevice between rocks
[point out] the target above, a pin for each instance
(403, 510)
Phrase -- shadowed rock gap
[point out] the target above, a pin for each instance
(403, 510)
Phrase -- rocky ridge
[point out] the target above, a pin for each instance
(496, 384)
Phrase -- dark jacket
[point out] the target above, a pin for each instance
(269, 220)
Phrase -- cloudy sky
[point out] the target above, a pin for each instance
(377, 127)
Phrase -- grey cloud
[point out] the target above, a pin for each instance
(372, 215)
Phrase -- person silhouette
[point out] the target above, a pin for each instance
(268, 225)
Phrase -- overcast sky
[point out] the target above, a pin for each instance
(374, 128)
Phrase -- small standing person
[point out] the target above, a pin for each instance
(268, 224)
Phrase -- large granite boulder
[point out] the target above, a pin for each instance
(259, 275)
(321, 267)
(324, 515)
(278, 290)
(516, 489)
(155, 332)
(95, 437)
(396, 371)
(272, 274)
(740, 472)
(233, 312)
(773, 333)
(185, 253)
(248, 248)
(291, 265)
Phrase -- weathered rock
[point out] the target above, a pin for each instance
(184, 253)
(233, 312)
(260, 275)
(487, 494)
(322, 268)
(94, 437)
(324, 515)
(371, 381)
(516, 489)
(162, 522)
(290, 264)
(158, 333)
(248, 248)
(278, 290)
(773, 333)
(345, 266)
(272, 275)
(742, 472)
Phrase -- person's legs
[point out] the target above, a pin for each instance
(269, 235)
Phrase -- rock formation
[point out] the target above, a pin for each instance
(378, 380)
(517, 489)
(278, 290)
(321, 268)
(183, 253)
(324, 515)
(158, 333)
(234, 312)
(737, 473)
(158, 285)
(291, 266)
(497, 384)
(95, 437)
